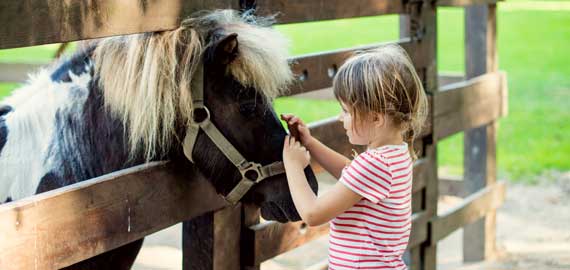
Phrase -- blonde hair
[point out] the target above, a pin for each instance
(146, 78)
(383, 81)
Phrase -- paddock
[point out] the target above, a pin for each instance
(97, 215)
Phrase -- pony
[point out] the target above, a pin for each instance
(127, 100)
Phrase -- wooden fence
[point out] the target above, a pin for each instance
(61, 227)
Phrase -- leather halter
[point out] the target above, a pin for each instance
(251, 172)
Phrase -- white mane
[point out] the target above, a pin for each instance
(146, 82)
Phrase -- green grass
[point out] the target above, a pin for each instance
(6, 88)
(36, 54)
(532, 46)
(532, 49)
(329, 35)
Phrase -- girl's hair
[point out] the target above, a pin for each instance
(383, 80)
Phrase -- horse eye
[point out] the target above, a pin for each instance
(247, 108)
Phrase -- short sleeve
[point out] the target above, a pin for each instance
(369, 176)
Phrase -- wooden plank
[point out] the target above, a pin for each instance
(471, 116)
(198, 243)
(451, 187)
(480, 143)
(227, 235)
(445, 78)
(419, 233)
(251, 218)
(316, 71)
(319, 94)
(98, 215)
(463, 3)
(318, 68)
(16, 72)
(472, 208)
(431, 196)
(294, 11)
(470, 104)
(273, 238)
(418, 199)
(27, 23)
(212, 241)
(455, 96)
(421, 174)
(424, 27)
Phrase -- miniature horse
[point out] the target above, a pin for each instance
(124, 101)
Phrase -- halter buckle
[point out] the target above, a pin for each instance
(251, 171)
(200, 114)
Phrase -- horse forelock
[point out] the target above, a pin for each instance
(146, 78)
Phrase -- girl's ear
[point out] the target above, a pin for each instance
(379, 119)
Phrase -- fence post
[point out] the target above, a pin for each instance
(421, 26)
(480, 143)
(212, 241)
(428, 30)
(414, 261)
(250, 217)
(197, 244)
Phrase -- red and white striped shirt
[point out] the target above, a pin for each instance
(374, 233)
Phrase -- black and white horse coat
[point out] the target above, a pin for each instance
(58, 130)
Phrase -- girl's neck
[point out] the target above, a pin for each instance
(395, 138)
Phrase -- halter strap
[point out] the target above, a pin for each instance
(251, 172)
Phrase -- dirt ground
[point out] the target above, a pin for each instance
(533, 233)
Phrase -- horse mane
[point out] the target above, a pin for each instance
(146, 78)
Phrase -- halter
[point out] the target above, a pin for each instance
(251, 172)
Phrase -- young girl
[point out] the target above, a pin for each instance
(369, 209)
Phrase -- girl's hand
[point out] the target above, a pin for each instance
(294, 154)
(304, 133)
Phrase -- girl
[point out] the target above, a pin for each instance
(369, 209)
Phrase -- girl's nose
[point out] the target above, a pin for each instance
(340, 118)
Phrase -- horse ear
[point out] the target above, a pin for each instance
(226, 49)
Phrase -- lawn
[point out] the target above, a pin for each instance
(532, 45)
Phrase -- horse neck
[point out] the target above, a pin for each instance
(60, 133)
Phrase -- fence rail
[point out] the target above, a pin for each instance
(61, 227)
(101, 214)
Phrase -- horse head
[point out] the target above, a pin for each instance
(232, 65)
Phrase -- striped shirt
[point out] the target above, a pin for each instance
(374, 233)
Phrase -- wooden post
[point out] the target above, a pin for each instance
(420, 26)
(428, 28)
(479, 143)
(197, 243)
(250, 217)
(414, 256)
(404, 26)
(212, 241)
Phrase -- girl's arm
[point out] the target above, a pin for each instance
(329, 159)
(312, 209)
